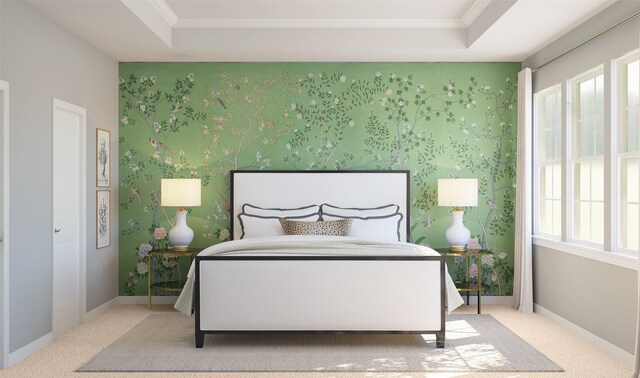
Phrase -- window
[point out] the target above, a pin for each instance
(629, 151)
(587, 158)
(549, 161)
(587, 162)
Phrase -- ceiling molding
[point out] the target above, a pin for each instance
(148, 13)
(165, 11)
(255, 23)
(473, 12)
(319, 30)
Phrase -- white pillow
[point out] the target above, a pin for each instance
(254, 226)
(274, 212)
(386, 228)
(380, 211)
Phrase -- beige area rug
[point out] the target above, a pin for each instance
(165, 343)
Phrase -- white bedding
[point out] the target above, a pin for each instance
(311, 245)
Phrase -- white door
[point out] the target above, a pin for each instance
(4, 260)
(68, 126)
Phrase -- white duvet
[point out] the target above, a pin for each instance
(313, 246)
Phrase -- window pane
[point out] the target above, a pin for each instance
(630, 132)
(599, 95)
(596, 234)
(629, 180)
(582, 220)
(557, 182)
(548, 182)
(549, 145)
(549, 110)
(597, 181)
(629, 229)
(589, 117)
(599, 135)
(582, 181)
(557, 138)
(546, 217)
(629, 198)
(587, 102)
(585, 137)
(631, 137)
(549, 152)
(557, 218)
(633, 84)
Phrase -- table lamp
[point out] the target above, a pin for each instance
(457, 193)
(180, 193)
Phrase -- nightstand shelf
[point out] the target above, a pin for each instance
(462, 286)
(173, 286)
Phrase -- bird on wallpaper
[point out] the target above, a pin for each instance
(136, 192)
(428, 223)
(157, 144)
(492, 204)
(221, 103)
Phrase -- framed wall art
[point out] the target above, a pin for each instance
(103, 219)
(103, 158)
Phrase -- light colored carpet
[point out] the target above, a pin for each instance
(164, 342)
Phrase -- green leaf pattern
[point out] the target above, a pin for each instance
(201, 120)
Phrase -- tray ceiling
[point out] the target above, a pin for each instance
(320, 30)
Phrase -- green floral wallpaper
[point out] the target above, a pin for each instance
(203, 119)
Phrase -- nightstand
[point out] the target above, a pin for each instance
(175, 286)
(465, 286)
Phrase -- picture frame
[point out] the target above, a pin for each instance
(103, 158)
(103, 218)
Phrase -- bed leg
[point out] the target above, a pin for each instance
(440, 340)
(199, 339)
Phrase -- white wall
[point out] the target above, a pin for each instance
(41, 61)
(600, 298)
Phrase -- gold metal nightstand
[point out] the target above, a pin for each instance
(168, 286)
(467, 284)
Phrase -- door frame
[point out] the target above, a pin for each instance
(82, 232)
(4, 263)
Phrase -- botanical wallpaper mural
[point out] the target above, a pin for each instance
(200, 120)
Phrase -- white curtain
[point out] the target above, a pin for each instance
(523, 280)
(636, 369)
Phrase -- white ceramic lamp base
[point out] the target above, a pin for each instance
(457, 235)
(181, 235)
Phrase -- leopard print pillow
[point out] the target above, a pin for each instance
(334, 228)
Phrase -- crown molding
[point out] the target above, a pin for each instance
(255, 23)
(473, 12)
(165, 11)
(151, 14)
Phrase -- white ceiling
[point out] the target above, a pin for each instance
(320, 30)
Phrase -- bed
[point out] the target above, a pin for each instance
(370, 282)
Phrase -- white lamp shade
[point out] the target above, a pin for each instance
(457, 192)
(180, 192)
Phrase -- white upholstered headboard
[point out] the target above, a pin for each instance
(291, 189)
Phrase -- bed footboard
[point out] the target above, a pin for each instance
(309, 294)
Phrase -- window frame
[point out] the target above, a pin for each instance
(538, 99)
(618, 153)
(614, 105)
(572, 145)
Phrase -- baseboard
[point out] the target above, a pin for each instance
(30, 349)
(599, 342)
(91, 315)
(143, 299)
(490, 299)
